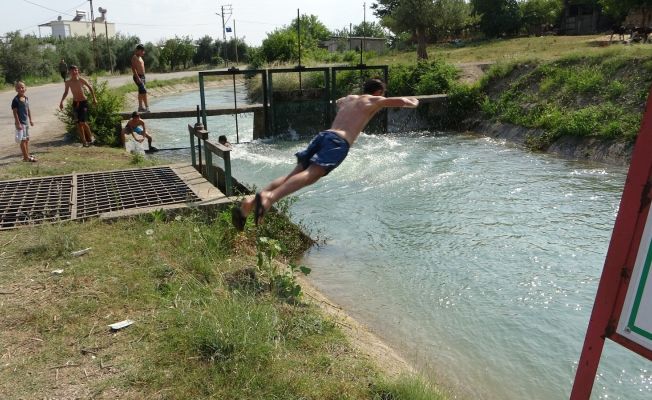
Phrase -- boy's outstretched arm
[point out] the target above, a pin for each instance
(404, 102)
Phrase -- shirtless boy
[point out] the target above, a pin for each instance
(79, 104)
(326, 151)
(138, 69)
(136, 127)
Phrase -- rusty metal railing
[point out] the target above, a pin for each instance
(210, 149)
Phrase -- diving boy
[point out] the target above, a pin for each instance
(326, 151)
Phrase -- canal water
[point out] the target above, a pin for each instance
(477, 260)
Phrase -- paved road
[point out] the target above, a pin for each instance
(44, 102)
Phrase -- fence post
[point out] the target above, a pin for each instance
(193, 156)
(209, 166)
(228, 185)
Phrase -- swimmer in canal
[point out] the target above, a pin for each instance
(326, 151)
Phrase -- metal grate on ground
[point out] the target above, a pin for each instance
(103, 192)
(35, 201)
(51, 199)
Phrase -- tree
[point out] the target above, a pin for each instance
(280, 45)
(22, 56)
(368, 29)
(78, 50)
(498, 17)
(414, 16)
(453, 16)
(538, 13)
(177, 51)
(421, 18)
(283, 43)
(205, 51)
(312, 30)
(123, 48)
(619, 8)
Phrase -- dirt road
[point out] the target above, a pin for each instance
(44, 102)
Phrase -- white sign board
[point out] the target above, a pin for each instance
(635, 321)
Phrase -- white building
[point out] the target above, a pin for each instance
(79, 26)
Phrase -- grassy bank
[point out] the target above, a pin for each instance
(217, 313)
(577, 86)
(545, 48)
(601, 95)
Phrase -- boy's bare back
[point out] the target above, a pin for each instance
(355, 111)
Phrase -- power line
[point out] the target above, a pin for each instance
(51, 9)
(159, 26)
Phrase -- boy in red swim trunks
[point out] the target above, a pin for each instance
(326, 151)
(80, 104)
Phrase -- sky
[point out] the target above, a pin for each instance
(153, 20)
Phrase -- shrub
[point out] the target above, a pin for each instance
(463, 101)
(422, 78)
(103, 118)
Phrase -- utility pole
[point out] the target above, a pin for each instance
(103, 11)
(93, 33)
(235, 43)
(226, 10)
(350, 34)
(364, 22)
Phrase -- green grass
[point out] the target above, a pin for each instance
(68, 159)
(599, 95)
(517, 49)
(209, 320)
(407, 388)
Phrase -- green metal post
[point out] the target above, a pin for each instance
(386, 76)
(192, 149)
(327, 99)
(272, 120)
(209, 166)
(333, 92)
(202, 94)
(228, 185)
(266, 104)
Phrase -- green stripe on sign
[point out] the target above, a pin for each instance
(639, 294)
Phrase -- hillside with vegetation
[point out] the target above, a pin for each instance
(601, 95)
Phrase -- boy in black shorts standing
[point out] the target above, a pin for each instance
(138, 69)
(79, 104)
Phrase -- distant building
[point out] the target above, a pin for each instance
(639, 16)
(79, 26)
(583, 17)
(336, 43)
